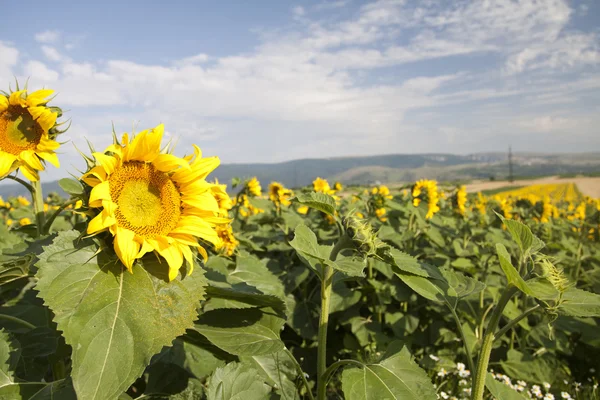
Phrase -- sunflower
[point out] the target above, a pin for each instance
(27, 133)
(228, 242)
(279, 194)
(154, 201)
(254, 188)
(321, 185)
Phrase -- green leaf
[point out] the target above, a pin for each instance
(306, 245)
(237, 382)
(252, 271)
(396, 376)
(245, 332)
(278, 371)
(320, 201)
(244, 299)
(114, 320)
(405, 262)
(528, 243)
(463, 285)
(579, 303)
(510, 271)
(501, 391)
(351, 266)
(62, 389)
(10, 353)
(71, 186)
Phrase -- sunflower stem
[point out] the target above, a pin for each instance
(22, 182)
(38, 206)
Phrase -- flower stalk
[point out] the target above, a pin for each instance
(487, 344)
(38, 206)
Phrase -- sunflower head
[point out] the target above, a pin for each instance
(152, 201)
(279, 195)
(28, 130)
(228, 242)
(321, 185)
(253, 187)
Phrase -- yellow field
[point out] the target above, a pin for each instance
(555, 193)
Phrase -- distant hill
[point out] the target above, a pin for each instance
(393, 168)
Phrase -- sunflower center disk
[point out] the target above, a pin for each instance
(18, 130)
(149, 202)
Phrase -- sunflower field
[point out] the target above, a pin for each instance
(155, 281)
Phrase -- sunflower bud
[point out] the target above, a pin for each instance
(361, 234)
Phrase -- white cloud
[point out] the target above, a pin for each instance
(40, 71)
(50, 36)
(51, 53)
(298, 11)
(333, 87)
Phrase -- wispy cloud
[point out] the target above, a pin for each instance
(49, 37)
(384, 79)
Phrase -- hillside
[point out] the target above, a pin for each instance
(394, 168)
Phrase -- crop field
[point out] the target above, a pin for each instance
(154, 281)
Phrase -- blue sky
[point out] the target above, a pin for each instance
(274, 80)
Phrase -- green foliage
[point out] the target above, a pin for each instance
(237, 382)
(114, 321)
(320, 201)
(395, 376)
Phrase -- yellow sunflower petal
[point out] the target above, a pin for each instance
(29, 173)
(31, 159)
(39, 97)
(126, 247)
(199, 169)
(43, 116)
(189, 258)
(3, 103)
(100, 223)
(94, 176)
(99, 192)
(203, 253)
(107, 162)
(204, 201)
(196, 226)
(183, 238)
(52, 158)
(6, 163)
(172, 254)
(145, 248)
(169, 162)
(16, 98)
(47, 144)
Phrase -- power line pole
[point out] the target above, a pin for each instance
(510, 165)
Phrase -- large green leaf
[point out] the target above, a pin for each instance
(320, 201)
(510, 271)
(396, 376)
(278, 371)
(71, 186)
(528, 243)
(579, 303)
(114, 320)
(249, 332)
(309, 250)
(405, 262)
(501, 391)
(9, 357)
(252, 271)
(237, 382)
(62, 389)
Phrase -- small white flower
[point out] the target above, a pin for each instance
(443, 395)
(520, 388)
(464, 373)
(565, 395)
(522, 383)
(442, 372)
(546, 385)
(460, 366)
(549, 396)
(536, 390)
(434, 358)
(592, 370)
(566, 382)
(463, 382)
(467, 391)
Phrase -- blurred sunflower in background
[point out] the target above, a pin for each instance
(28, 131)
(150, 200)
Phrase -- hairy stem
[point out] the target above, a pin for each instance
(324, 317)
(38, 206)
(515, 321)
(488, 341)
